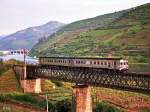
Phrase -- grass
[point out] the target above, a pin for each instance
(25, 99)
(57, 91)
(2, 71)
(104, 107)
(145, 110)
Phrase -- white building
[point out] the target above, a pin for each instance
(15, 52)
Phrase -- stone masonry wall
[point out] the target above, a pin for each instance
(82, 99)
(31, 85)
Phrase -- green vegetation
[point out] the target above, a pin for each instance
(63, 106)
(104, 107)
(2, 70)
(99, 21)
(26, 99)
(145, 110)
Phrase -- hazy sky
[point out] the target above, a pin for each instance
(19, 14)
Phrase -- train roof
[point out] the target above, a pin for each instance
(83, 58)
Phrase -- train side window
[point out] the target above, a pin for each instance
(91, 62)
(84, 62)
(101, 63)
(109, 64)
(105, 63)
(115, 63)
(98, 62)
(94, 62)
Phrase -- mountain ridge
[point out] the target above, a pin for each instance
(28, 37)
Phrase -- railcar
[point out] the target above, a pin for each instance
(103, 63)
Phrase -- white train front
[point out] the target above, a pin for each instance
(104, 63)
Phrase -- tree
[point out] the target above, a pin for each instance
(63, 106)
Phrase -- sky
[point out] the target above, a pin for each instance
(20, 14)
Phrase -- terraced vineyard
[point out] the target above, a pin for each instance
(126, 101)
(57, 93)
(9, 83)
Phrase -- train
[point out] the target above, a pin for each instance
(102, 63)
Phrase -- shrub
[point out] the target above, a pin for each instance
(145, 110)
(57, 83)
(104, 107)
(63, 106)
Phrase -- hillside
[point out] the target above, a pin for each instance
(99, 21)
(8, 82)
(28, 37)
(69, 31)
(126, 36)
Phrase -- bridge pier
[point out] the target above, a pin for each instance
(31, 85)
(82, 101)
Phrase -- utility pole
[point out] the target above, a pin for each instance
(46, 95)
(25, 74)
